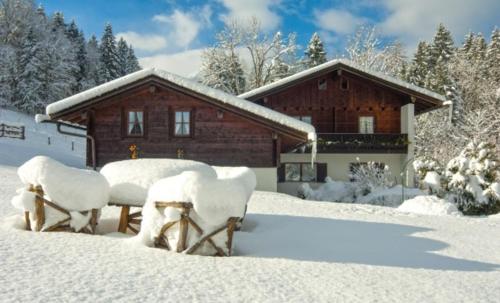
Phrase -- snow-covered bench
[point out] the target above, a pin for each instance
(130, 181)
(193, 213)
(60, 198)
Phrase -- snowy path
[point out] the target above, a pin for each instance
(289, 251)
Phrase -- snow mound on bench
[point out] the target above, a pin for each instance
(71, 188)
(214, 202)
(242, 173)
(429, 205)
(130, 179)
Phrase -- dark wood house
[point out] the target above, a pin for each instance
(154, 114)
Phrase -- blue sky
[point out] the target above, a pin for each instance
(171, 34)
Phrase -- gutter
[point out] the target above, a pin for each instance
(46, 119)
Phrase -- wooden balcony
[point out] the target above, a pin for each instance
(359, 143)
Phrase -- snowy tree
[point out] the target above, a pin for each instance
(493, 57)
(132, 62)
(221, 67)
(109, 67)
(315, 52)
(93, 59)
(78, 42)
(122, 57)
(366, 50)
(473, 179)
(419, 67)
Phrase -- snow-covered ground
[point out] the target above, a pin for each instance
(289, 250)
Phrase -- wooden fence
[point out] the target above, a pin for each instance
(11, 131)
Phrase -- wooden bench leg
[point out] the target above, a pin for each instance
(122, 227)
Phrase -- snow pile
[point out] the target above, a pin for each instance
(391, 197)
(429, 205)
(130, 179)
(72, 189)
(214, 202)
(333, 191)
(244, 174)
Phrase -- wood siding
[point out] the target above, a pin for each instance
(230, 140)
(336, 110)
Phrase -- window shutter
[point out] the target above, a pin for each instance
(321, 171)
(281, 173)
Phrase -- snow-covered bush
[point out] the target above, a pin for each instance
(370, 176)
(429, 176)
(473, 179)
(333, 191)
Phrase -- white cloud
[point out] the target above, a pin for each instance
(244, 10)
(144, 42)
(184, 26)
(339, 21)
(412, 20)
(186, 64)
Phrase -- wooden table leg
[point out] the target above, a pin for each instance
(122, 227)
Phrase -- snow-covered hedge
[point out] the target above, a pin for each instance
(130, 180)
(214, 202)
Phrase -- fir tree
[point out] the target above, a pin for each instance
(419, 67)
(132, 62)
(315, 52)
(122, 52)
(109, 66)
(493, 57)
(93, 60)
(442, 46)
(77, 40)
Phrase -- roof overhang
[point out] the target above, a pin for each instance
(427, 100)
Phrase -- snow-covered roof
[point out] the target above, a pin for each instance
(338, 62)
(269, 114)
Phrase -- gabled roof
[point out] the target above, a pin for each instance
(55, 109)
(432, 97)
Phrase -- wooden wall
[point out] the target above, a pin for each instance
(230, 141)
(335, 110)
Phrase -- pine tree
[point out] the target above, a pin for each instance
(93, 58)
(493, 56)
(315, 52)
(122, 52)
(419, 67)
(132, 62)
(109, 66)
(442, 46)
(77, 40)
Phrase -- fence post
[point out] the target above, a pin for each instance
(22, 133)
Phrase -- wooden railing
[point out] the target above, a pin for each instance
(359, 143)
(11, 131)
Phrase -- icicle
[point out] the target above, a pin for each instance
(314, 140)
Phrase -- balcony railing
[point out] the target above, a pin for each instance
(359, 143)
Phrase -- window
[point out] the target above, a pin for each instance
(300, 172)
(322, 84)
(135, 123)
(306, 119)
(182, 123)
(344, 83)
(366, 125)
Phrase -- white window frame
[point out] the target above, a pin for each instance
(366, 124)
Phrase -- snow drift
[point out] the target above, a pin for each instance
(429, 205)
(130, 179)
(72, 188)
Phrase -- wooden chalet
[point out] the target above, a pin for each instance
(355, 113)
